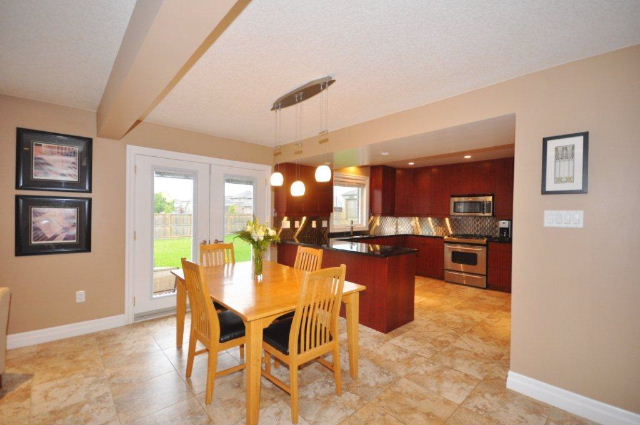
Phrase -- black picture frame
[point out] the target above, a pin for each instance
(53, 161)
(40, 225)
(572, 163)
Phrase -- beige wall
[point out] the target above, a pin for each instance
(44, 286)
(576, 320)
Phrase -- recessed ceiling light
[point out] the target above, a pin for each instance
(412, 163)
(467, 156)
(384, 153)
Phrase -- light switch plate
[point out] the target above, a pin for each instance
(81, 296)
(296, 224)
(557, 218)
(313, 224)
(324, 223)
(286, 224)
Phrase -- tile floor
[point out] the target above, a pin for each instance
(448, 366)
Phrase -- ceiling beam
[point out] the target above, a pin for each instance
(162, 42)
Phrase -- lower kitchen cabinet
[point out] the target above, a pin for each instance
(499, 267)
(430, 261)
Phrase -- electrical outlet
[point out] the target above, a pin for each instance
(80, 296)
(573, 219)
(296, 224)
(286, 224)
(325, 223)
(313, 224)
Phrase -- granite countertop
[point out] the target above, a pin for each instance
(361, 248)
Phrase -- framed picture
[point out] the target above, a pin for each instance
(52, 161)
(52, 225)
(565, 161)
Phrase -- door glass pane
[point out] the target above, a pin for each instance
(173, 222)
(239, 208)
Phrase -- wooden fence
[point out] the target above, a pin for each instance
(167, 226)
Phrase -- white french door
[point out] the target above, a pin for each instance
(175, 205)
(171, 210)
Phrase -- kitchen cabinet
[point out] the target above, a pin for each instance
(405, 193)
(318, 197)
(499, 267)
(382, 190)
(430, 260)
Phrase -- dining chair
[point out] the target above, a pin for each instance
(217, 331)
(308, 259)
(310, 334)
(217, 254)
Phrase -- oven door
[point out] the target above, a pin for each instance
(465, 258)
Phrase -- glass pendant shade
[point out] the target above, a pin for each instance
(323, 174)
(277, 179)
(297, 188)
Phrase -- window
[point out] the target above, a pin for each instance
(350, 202)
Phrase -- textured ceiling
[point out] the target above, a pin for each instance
(60, 51)
(387, 56)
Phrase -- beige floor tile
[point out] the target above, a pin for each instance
(464, 416)
(135, 368)
(136, 400)
(372, 414)
(560, 417)
(443, 381)
(412, 404)
(469, 362)
(76, 399)
(187, 412)
(491, 398)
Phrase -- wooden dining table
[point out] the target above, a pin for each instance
(259, 302)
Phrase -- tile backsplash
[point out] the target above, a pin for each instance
(434, 226)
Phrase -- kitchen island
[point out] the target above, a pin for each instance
(388, 272)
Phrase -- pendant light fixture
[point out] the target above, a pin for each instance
(323, 172)
(277, 179)
(295, 97)
(297, 187)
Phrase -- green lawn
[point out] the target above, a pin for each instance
(168, 252)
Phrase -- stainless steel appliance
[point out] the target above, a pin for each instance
(472, 205)
(465, 260)
(504, 229)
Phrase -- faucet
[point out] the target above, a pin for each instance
(351, 227)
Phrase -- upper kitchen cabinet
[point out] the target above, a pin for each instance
(382, 190)
(318, 197)
(405, 193)
(503, 206)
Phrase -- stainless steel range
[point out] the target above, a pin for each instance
(465, 260)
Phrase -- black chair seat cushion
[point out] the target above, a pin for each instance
(231, 326)
(218, 306)
(277, 335)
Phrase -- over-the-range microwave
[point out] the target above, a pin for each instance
(472, 205)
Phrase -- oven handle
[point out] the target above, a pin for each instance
(464, 248)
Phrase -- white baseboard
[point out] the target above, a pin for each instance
(577, 404)
(39, 336)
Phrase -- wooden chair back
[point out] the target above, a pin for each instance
(204, 318)
(308, 259)
(315, 322)
(217, 254)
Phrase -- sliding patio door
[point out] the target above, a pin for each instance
(178, 204)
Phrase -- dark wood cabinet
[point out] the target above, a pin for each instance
(430, 259)
(504, 188)
(405, 193)
(318, 197)
(499, 267)
(382, 190)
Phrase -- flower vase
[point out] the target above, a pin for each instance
(257, 262)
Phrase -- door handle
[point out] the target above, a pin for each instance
(204, 242)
